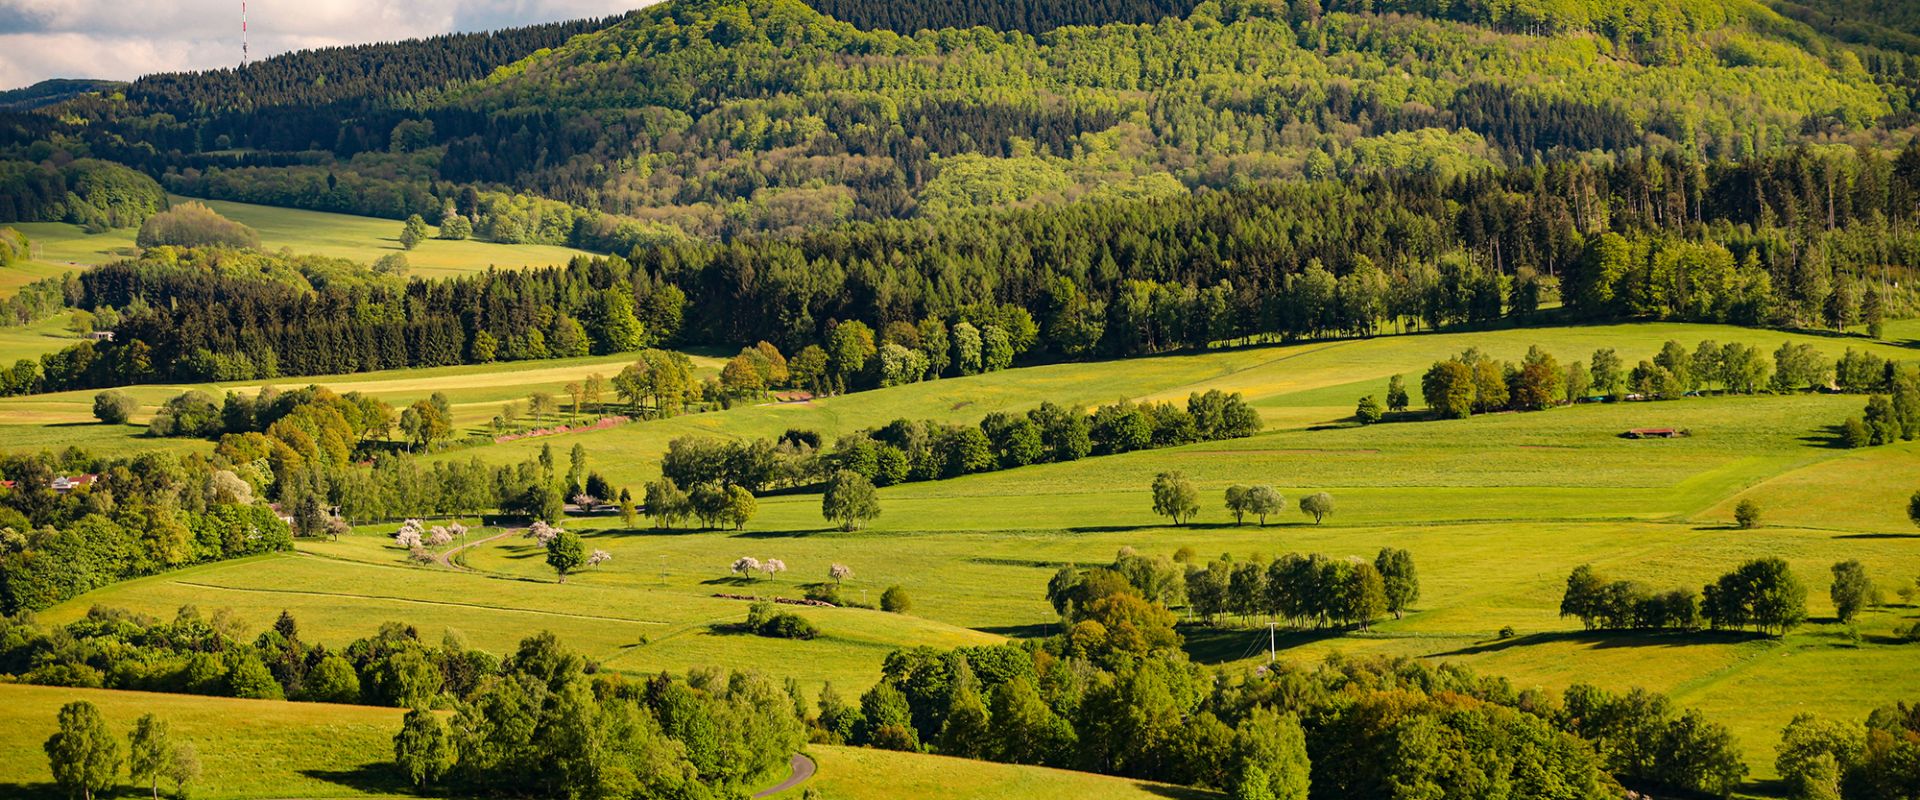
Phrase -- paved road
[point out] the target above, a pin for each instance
(802, 770)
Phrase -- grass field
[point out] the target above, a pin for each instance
(1496, 510)
(257, 749)
(247, 748)
(60, 246)
(476, 391)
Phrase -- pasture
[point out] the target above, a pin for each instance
(256, 749)
(60, 246)
(1496, 510)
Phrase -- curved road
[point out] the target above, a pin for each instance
(802, 770)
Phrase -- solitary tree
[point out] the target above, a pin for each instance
(414, 232)
(113, 407)
(1318, 504)
(84, 756)
(1238, 500)
(149, 752)
(1913, 508)
(1263, 501)
(1369, 410)
(894, 600)
(1175, 497)
(850, 500)
(566, 553)
(1401, 582)
(1397, 399)
(1747, 514)
(839, 573)
(1852, 590)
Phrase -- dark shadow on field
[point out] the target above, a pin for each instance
(372, 778)
(1191, 526)
(730, 580)
(1610, 639)
(1832, 437)
(1208, 644)
(1178, 792)
(1878, 536)
(1039, 630)
(791, 534)
(32, 791)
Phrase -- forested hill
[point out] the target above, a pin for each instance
(1026, 16)
(360, 72)
(808, 120)
(48, 92)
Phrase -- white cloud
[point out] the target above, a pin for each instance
(122, 40)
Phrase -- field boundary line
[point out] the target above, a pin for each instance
(480, 606)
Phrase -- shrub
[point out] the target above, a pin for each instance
(895, 600)
(113, 407)
(1369, 411)
(1747, 514)
(195, 225)
(762, 619)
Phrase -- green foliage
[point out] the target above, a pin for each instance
(195, 225)
(1746, 514)
(1175, 497)
(895, 600)
(849, 500)
(114, 407)
(423, 749)
(83, 754)
(566, 553)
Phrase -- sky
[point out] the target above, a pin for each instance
(124, 39)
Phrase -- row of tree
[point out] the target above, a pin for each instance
(1761, 593)
(1114, 694)
(1302, 590)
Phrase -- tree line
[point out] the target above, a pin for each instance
(1114, 694)
(141, 515)
(1762, 593)
(1474, 383)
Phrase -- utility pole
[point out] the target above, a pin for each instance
(1271, 655)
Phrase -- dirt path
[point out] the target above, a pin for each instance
(802, 770)
(445, 558)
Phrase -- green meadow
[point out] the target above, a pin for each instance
(60, 246)
(1496, 510)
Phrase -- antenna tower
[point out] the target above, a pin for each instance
(243, 33)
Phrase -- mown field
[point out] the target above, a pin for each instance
(362, 239)
(1496, 511)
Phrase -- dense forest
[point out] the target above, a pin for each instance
(316, 80)
(716, 118)
(1027, 16)
(1813, 238)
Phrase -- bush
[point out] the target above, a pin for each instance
(195, 225)
(1747, 515)
(1369, 411)
(113, 407)
(895, 600)
(762, 619)
(824, 593)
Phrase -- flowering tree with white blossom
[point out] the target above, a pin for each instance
(746, 565)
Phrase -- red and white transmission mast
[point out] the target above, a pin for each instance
(243, 33)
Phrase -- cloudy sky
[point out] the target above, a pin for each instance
(124, 39)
